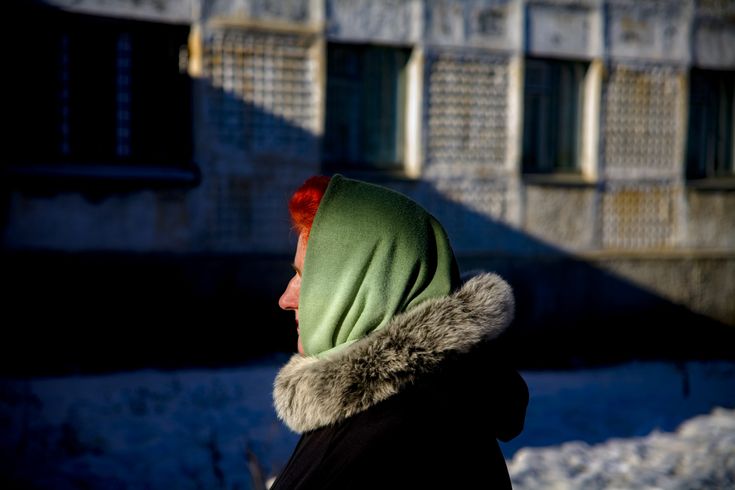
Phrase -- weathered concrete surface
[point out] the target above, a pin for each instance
(564, 217)
(654, 31)
(564, 30)
(176, 11)
(491, 24)
(294, 11)
(383, 21)
(711, 219)
(704, 283)
(138, 221)
(713, 35)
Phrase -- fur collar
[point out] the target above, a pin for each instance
(310, 393)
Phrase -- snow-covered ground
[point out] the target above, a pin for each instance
(616, 428)
(701, 454)
(597, 428)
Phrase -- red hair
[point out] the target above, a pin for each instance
(305, 201)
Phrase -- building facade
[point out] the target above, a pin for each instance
(563, 142)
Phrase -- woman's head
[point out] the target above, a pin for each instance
(372, 253)
(302, 207)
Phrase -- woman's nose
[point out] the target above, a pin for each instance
(288, 300)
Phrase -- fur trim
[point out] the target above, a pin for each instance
(310, 393)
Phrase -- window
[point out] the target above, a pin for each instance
(92, 91)
(366, 106)
(552, 115)
(710, 139)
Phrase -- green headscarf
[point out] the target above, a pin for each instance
(372, 253)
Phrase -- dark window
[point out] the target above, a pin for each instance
(89, 90)
(710, 139)
(552, 115)
(366, 99)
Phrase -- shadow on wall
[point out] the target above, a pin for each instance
(79, 295)
(71, 312)
(99, 311)
(571, 312)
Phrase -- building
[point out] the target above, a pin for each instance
(582, 148)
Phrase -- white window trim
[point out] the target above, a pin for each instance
(413, 134)
(590, 145)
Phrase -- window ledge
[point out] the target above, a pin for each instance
(560, 179)
(69, 175)
(712, 183)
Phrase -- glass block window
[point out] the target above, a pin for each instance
(262, 96)
(94, 90)
(552, 115)
(640, 117)
(638, 216)
(366, 105)
(466, 106)
(710, 140)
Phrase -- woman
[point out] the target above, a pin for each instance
(397, 383)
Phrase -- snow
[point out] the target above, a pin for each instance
(627, 400)
(211, 428)
(184, 429)
(701, 454)
(613, 428)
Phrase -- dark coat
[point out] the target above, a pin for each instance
(418, 404)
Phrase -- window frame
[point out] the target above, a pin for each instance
(722, 82)
(402, 111)
(581, 71)
(96, 126)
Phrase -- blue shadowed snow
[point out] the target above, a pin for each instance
(195, 428)
(629, 400)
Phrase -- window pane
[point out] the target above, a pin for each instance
(161, 104)
(365, 106)
(34, 75)
(710, 132)
(537, 116)
(92, 94)
(99, 90)
(552, 115)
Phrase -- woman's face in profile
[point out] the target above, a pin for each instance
(290, 298)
